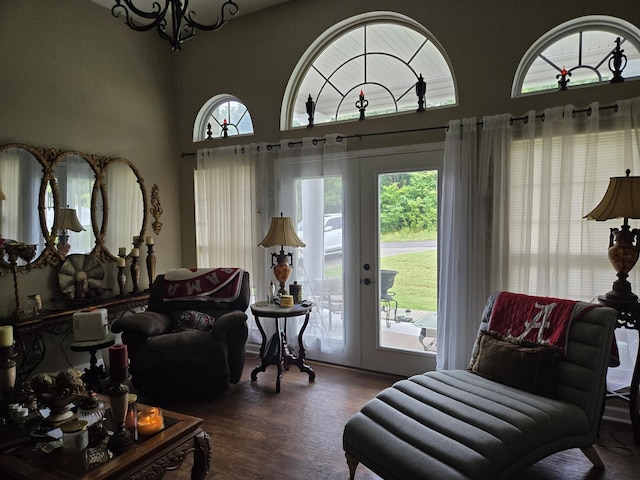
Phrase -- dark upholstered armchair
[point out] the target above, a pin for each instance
(167, 360)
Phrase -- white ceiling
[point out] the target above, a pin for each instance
(204, 7)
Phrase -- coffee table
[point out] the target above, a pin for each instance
(149, 457)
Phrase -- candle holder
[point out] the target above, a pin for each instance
(421, 90)
(119, 401)
(362, 105)
(563, 80)
(16, 251)
(151, 264)
(122, 279)
(7, 377)
(135, 274)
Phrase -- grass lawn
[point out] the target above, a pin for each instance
(416, 284)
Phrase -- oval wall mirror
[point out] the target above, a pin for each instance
(125, 207)
(75, 177)
(23, 186)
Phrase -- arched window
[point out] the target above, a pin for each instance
(382, 55)
(222, 116)
(584, 49)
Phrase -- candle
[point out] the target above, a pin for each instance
(6, 336)
(135, 252)
(121, 262)
(149, 240)
(122, 251)
(150, 421)
(136, 239)
(118, 362)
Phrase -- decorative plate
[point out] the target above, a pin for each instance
(80, 267)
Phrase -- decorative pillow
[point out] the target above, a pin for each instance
(195, 319)
(520, 364)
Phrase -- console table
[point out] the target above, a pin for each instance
(278, 352)
(629, 317)
(150, 457)
(29, 331)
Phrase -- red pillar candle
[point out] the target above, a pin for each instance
(118, 362)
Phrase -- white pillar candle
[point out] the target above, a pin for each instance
(121, 262)
(122, 251)
(135, 252)
(136, 238)
(149, 240)
(6, 336)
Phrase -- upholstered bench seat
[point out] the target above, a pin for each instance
(457, 424)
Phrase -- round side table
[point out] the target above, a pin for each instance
(277, 351)
(94, 373)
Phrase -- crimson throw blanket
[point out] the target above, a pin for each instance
(221, 284)
(543, 320)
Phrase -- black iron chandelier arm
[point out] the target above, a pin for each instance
(157, 14)
(229, 7)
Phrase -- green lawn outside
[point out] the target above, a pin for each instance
(416, 284)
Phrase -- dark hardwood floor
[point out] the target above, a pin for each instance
(297, 434)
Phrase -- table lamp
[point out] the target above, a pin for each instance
(281, 232)
(621, 200)
(68, 220)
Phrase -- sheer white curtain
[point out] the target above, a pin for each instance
(513, 200)
(124, 196)
(472, 230)
(234, 204)
(235, 197)
(311, 178)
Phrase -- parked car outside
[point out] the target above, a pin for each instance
(332, 233)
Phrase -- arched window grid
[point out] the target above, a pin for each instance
(398, 97)
(587, 67)
(222, 116)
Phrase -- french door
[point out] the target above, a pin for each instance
(398, 270)
(373, 284)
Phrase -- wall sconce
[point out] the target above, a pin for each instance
(68, 221)
(281, 232)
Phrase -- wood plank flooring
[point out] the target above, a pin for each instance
(297, 434)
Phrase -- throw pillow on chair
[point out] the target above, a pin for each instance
(196, 320)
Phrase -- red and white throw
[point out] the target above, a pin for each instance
(543, 320)
(220, 284)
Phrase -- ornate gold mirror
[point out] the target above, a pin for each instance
(26, 187)
(69, 203)
(75, 175)
(125, 206)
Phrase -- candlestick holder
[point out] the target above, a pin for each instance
(362, 105)
(122, 279)
(151, 264)
(16, 251)
(135, 274)
(7, 377)
(119, 401)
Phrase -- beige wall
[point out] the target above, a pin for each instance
(73, 77)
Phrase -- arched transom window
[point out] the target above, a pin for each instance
(380, 55)
(222, 116)
(586, 50)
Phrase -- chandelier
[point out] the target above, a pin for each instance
(173, 21)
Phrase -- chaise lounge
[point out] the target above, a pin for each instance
(515, 405)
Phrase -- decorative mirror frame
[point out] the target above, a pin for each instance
(49, 159)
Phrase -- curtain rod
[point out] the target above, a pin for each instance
(360, 136)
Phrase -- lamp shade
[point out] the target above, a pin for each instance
(621, 200)
(69, 220)
(281, 232)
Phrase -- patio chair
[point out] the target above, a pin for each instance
(387, 298)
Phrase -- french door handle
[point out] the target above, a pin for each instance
(368, 281)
